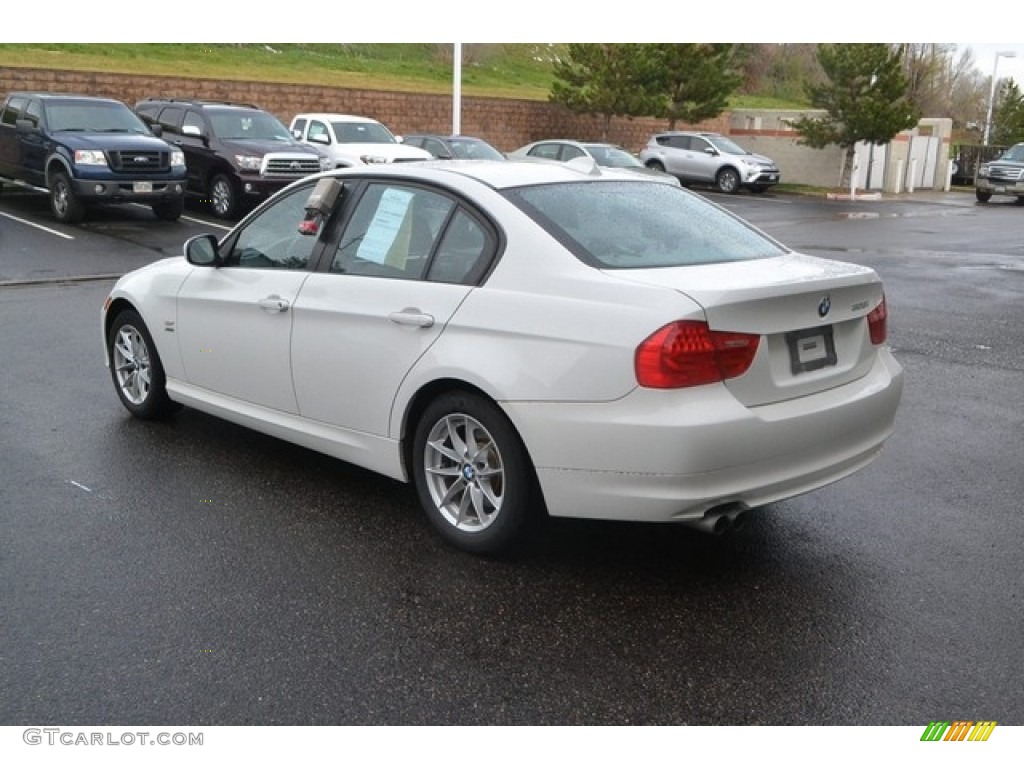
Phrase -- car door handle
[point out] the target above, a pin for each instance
(412, 316)
(274, 303)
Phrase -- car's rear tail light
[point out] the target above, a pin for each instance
(877, 323)
(687, 353)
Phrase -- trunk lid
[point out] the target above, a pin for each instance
(810, 313)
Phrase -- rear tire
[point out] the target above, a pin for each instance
(64, 203)
(473, 475)
(136, 369)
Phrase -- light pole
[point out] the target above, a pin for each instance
(992, 93)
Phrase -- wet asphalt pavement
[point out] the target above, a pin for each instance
(195, 572)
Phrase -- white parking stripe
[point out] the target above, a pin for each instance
(205, 223)
(37, 226)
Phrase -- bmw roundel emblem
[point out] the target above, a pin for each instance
(824, 306)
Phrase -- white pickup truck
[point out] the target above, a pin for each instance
(352, 140)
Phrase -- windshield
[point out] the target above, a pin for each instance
(643, 224)
(81, 116)
(362, 133)
(249, 125)
(1014, 154)
(727, 145)
(612, 157)
(474, 149)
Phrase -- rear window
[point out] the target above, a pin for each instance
(634, 225)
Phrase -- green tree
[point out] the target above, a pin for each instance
(692, 81)
(865, 95)
(1008, 117)
(606, 79)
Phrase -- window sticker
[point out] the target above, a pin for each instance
(387, 237)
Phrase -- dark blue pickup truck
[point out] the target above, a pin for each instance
(85, 151)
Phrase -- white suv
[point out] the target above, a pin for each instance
(709, 158)
(350, 140)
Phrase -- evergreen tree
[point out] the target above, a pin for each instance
(606, 79)
(696, 79)
(865, 96)
(1008, 118)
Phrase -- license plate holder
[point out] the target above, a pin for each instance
(142, 187)
(811, 349)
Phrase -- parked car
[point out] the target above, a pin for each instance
(84, 151)
(1002, 176)
(453, 147)
(518, 339)
(563, 150)
(709, 158)
(237, 154)
(352, 140)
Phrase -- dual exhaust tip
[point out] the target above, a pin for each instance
(721, 520)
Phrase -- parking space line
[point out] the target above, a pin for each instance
(37, 226)
(205, 223)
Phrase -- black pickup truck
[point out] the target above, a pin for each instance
(83, 151)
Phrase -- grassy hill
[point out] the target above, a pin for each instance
(500, 70)
(518, 71)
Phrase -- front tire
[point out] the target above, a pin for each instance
(64, 203)
(223, 197)
(170, 210)
(473, 475)
(727, 181)
(656, 165)
(136, 370)
(983, 197)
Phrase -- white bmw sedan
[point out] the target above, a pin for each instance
(520, 340)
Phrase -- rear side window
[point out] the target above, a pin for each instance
(642, 224)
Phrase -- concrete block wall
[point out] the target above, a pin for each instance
(505, 123)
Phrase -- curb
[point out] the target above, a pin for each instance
(847, 196)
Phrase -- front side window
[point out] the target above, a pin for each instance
(272, 239)
(318, 132)
(33, 113)
(12, 110)
(641, 224)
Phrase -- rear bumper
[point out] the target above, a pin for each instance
(664, 456)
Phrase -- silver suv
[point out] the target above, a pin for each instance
(1002, 176)
(709, 158)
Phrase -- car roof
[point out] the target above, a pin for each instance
(46, 96)
(499, 174)
(333, 117)
(201, 103)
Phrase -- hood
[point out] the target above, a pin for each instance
(107, 140)
(262, 147)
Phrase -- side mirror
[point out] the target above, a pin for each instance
(25, 126)
(156, 129)
(201, 251)
(297, 133)
(711, 151)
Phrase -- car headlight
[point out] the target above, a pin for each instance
(326, 163)
(371, 159)
(177, 158)
(90, 157)
(983, 172)
(248, 162)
